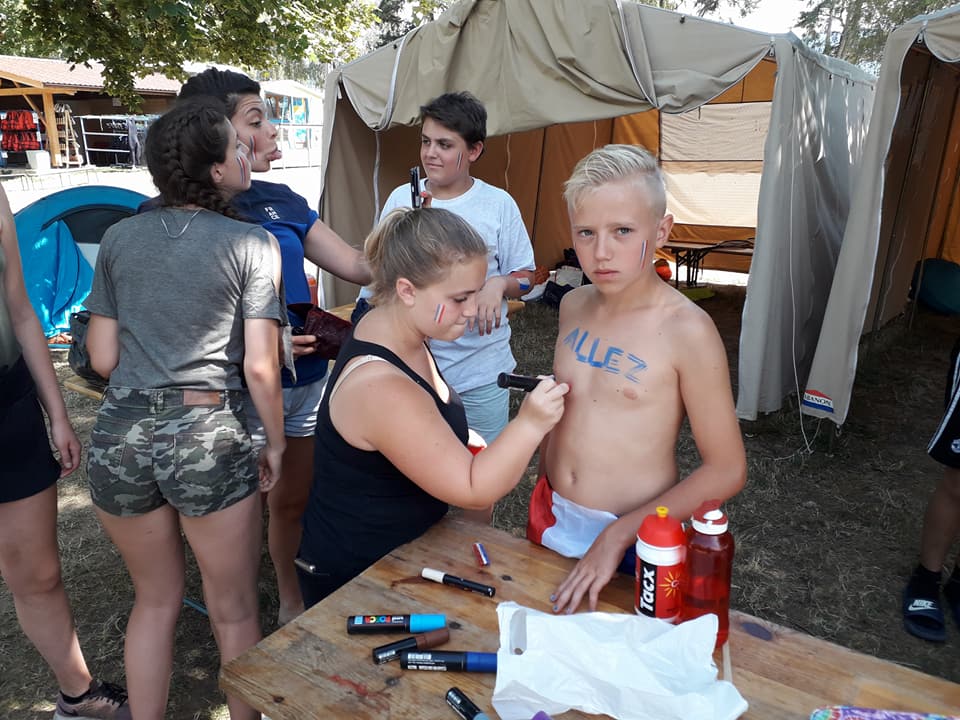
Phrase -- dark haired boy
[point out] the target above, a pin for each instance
(451, 140)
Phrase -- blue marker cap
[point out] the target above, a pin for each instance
(481, 662)
(426, 623)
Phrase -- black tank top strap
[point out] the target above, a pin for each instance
(358, 348)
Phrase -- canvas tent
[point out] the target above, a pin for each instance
(906, 202)
(58, 237)
(560, 77)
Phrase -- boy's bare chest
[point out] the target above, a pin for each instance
(603, 359)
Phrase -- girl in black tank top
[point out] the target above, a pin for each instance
(391, 445)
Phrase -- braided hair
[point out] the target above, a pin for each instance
(182, 146)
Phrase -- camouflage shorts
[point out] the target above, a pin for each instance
(148, 448)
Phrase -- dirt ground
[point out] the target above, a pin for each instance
(825, 539)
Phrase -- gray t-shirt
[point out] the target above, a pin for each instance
(180, 302)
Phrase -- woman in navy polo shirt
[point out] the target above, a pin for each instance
(301, 235)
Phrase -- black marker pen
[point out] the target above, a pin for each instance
(424, 641)
(463, 706)
(442, 577)
(518, 382)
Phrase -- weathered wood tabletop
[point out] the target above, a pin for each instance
(311, 668)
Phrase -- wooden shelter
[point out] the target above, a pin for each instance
(38, 84)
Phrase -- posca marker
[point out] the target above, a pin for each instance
(464, 706)
(482, 558)
(442, 577)
(366, 624)
(447, 661)
(425, 641)
(519, 382)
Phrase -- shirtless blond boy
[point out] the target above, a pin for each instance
(639, 357)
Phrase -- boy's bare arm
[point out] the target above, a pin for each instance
(705, 389)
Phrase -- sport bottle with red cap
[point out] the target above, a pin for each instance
(706, 586)
(661, 547)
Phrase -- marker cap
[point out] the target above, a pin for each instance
(481, 662)
(431, 574)
(426, 623)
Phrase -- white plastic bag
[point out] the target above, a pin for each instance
(629, 667)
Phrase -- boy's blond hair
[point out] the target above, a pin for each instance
(617, 162)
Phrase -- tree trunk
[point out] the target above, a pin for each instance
(851, 29)
(827, 33)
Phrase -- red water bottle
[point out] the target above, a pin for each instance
(661, 547)
(706, 586)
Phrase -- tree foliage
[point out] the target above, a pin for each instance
(857, 30)
(133, 38)
(398, 17)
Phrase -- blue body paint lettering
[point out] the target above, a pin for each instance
(593, 353)
(611, 361)
(638, 364)
(611, 358)
(581, 358)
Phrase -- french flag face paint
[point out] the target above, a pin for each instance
(438, 315)
(253, 148)
(242, 162)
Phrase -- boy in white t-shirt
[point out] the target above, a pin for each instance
(451, 140)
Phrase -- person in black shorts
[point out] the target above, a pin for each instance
(923, 614)
(29, 556)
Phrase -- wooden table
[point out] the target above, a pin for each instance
(311, 668)
(691, 255)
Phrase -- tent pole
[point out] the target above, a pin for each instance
(903, 185)
(536, 205)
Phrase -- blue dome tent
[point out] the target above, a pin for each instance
(59, 236)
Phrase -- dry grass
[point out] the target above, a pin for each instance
(824, 540)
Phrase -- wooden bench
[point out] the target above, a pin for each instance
(84, 387)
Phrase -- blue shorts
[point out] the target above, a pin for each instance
(488, 410)
(300, 405)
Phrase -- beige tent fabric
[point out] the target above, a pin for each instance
(821, 111)
(560, 77)
(855, 296)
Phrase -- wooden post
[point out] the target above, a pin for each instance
(53, 133)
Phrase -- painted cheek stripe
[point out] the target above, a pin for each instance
(438, 315)
(253, 148)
